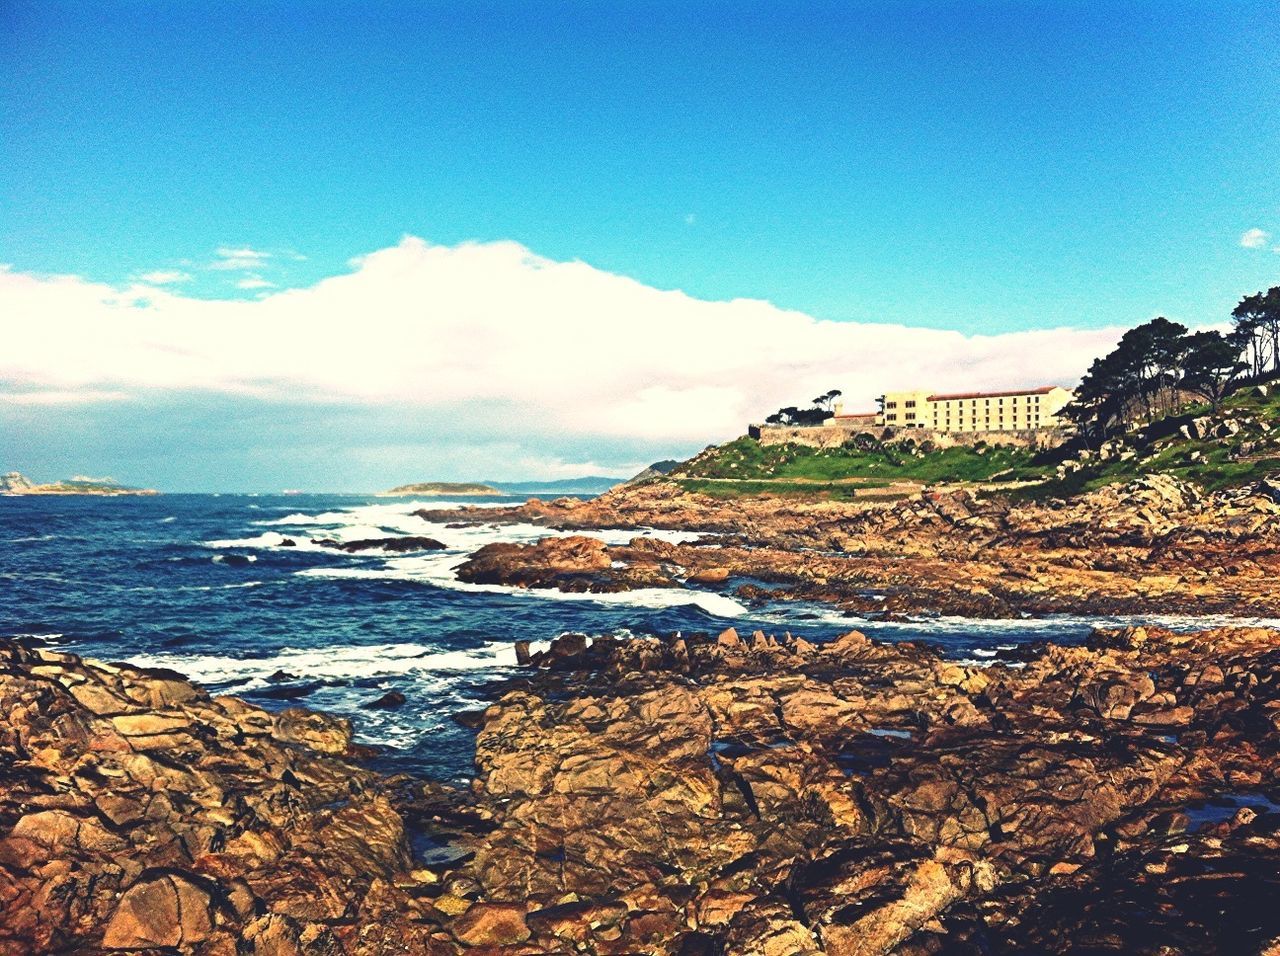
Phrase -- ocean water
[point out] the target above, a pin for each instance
(202, 584)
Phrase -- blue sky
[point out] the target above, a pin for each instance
(987, 168)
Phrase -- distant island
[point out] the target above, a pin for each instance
(438, 488)
(589, 485)
(15, 483)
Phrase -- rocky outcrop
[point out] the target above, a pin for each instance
(398, 544)
(576, 563)
(139, 813)
(15, 483)
(738, 794)
(1155, 545)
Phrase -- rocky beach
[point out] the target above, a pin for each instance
(1155, 545)
(729, 794)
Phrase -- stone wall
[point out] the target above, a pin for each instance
(835, 434)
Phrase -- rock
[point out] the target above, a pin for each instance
(492, 924)
(398, 545)
(168, 910)
(709, 576)
(392, 698)
(729, 638)
(672, 795)
(319, 732)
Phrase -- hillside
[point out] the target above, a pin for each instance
(15, 483)
(1234, 446)
(441, 488)
(589, 485)
(865, 469)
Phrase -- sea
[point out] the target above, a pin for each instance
(204, 585)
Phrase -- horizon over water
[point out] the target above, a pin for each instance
(201, 584)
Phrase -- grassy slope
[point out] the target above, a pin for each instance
(749, 462)
(1212, 470)
(745, 467)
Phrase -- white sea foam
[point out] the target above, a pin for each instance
(332, 663)
(438, 568)
(1046, 627)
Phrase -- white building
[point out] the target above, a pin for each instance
(1014, 410)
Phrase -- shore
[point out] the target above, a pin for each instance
(1155, 546)
(730, 794)
(710, 794)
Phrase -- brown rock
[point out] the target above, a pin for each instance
(168, 910)
(492, 924)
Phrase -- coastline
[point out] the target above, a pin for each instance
(39, 490)
(1155, 545)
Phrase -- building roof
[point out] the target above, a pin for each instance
(1043, 390)
(871, 414)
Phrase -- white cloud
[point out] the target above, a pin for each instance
(165, 277)
(255, 282)
(575, 351)
(238, 257)
(1254, 238)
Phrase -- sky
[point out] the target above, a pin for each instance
(323, 245)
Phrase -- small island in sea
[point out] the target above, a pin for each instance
(15, 483)
(442, 488)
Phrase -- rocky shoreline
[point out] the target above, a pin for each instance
(1154, 546)
(696, 795)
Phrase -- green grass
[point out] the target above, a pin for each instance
(745, 467)
(744, 458)
(1175, 455)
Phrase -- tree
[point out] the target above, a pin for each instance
(1098, 406)
(1211, 365)
(825, 400)
(1257, 330)
(819, 413)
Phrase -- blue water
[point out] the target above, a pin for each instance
(203, 585)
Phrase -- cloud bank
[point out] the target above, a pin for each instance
(559, 350)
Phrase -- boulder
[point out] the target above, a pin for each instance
(168, 910)
(319, 732)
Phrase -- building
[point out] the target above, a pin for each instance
(1014, 410)
(854, 419)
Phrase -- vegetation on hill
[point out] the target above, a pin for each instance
(444, 488)
(1196, 405)
(1234, 445)
(816, 415)
(1158, 366)
(862, 462)
(14, 483)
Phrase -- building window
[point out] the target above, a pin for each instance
(890, 404)
(911, 403)
(911, 416)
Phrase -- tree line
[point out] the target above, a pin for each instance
(1159, 365)
(794, 415)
